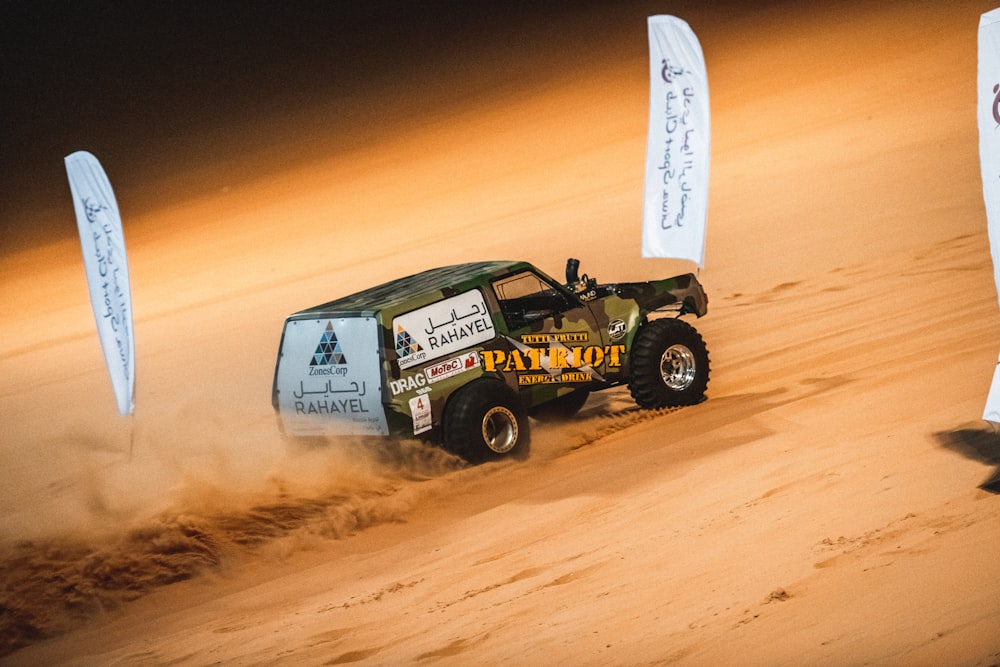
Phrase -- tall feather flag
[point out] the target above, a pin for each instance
(106, 265)
(988, 117)
(675, 205)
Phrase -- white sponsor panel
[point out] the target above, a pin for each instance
(675, 204)
(442, 328)
(106, 266)
(988, 117)
(420, 410)
(328, 378)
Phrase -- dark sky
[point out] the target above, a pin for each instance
(148, 86)
(141, 83)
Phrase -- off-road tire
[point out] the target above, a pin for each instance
(484, 421)
(561, 408)
(668, 365)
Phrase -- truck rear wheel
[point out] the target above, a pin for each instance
(484, 421)
(669, 365)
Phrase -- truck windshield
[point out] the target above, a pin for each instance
(524, 298)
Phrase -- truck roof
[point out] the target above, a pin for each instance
(415, 290)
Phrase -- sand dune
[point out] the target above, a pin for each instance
(834, 501)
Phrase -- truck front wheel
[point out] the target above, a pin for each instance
(669, 365)
(484, 421)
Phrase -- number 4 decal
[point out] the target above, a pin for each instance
(420, 410)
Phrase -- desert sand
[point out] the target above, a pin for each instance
(834, 501)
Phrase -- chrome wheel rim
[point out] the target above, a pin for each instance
(500, 429)
(678, 367)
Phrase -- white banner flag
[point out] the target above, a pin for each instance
(107, 270)
(992, 410)
(675, 205)
(988, 117)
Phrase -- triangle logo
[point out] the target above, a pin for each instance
(405, 344)
(328, 351)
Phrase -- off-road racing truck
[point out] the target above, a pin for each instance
(462, 355)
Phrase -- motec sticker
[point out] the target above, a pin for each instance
(435, 373)
(452, 367)
(442, 328)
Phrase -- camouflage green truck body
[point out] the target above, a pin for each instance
(385, 361)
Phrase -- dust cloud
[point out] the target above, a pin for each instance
(126, 541)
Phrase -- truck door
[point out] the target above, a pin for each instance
(554, 345)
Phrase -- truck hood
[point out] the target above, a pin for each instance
(681, 293)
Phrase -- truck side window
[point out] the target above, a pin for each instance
(525, 297)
